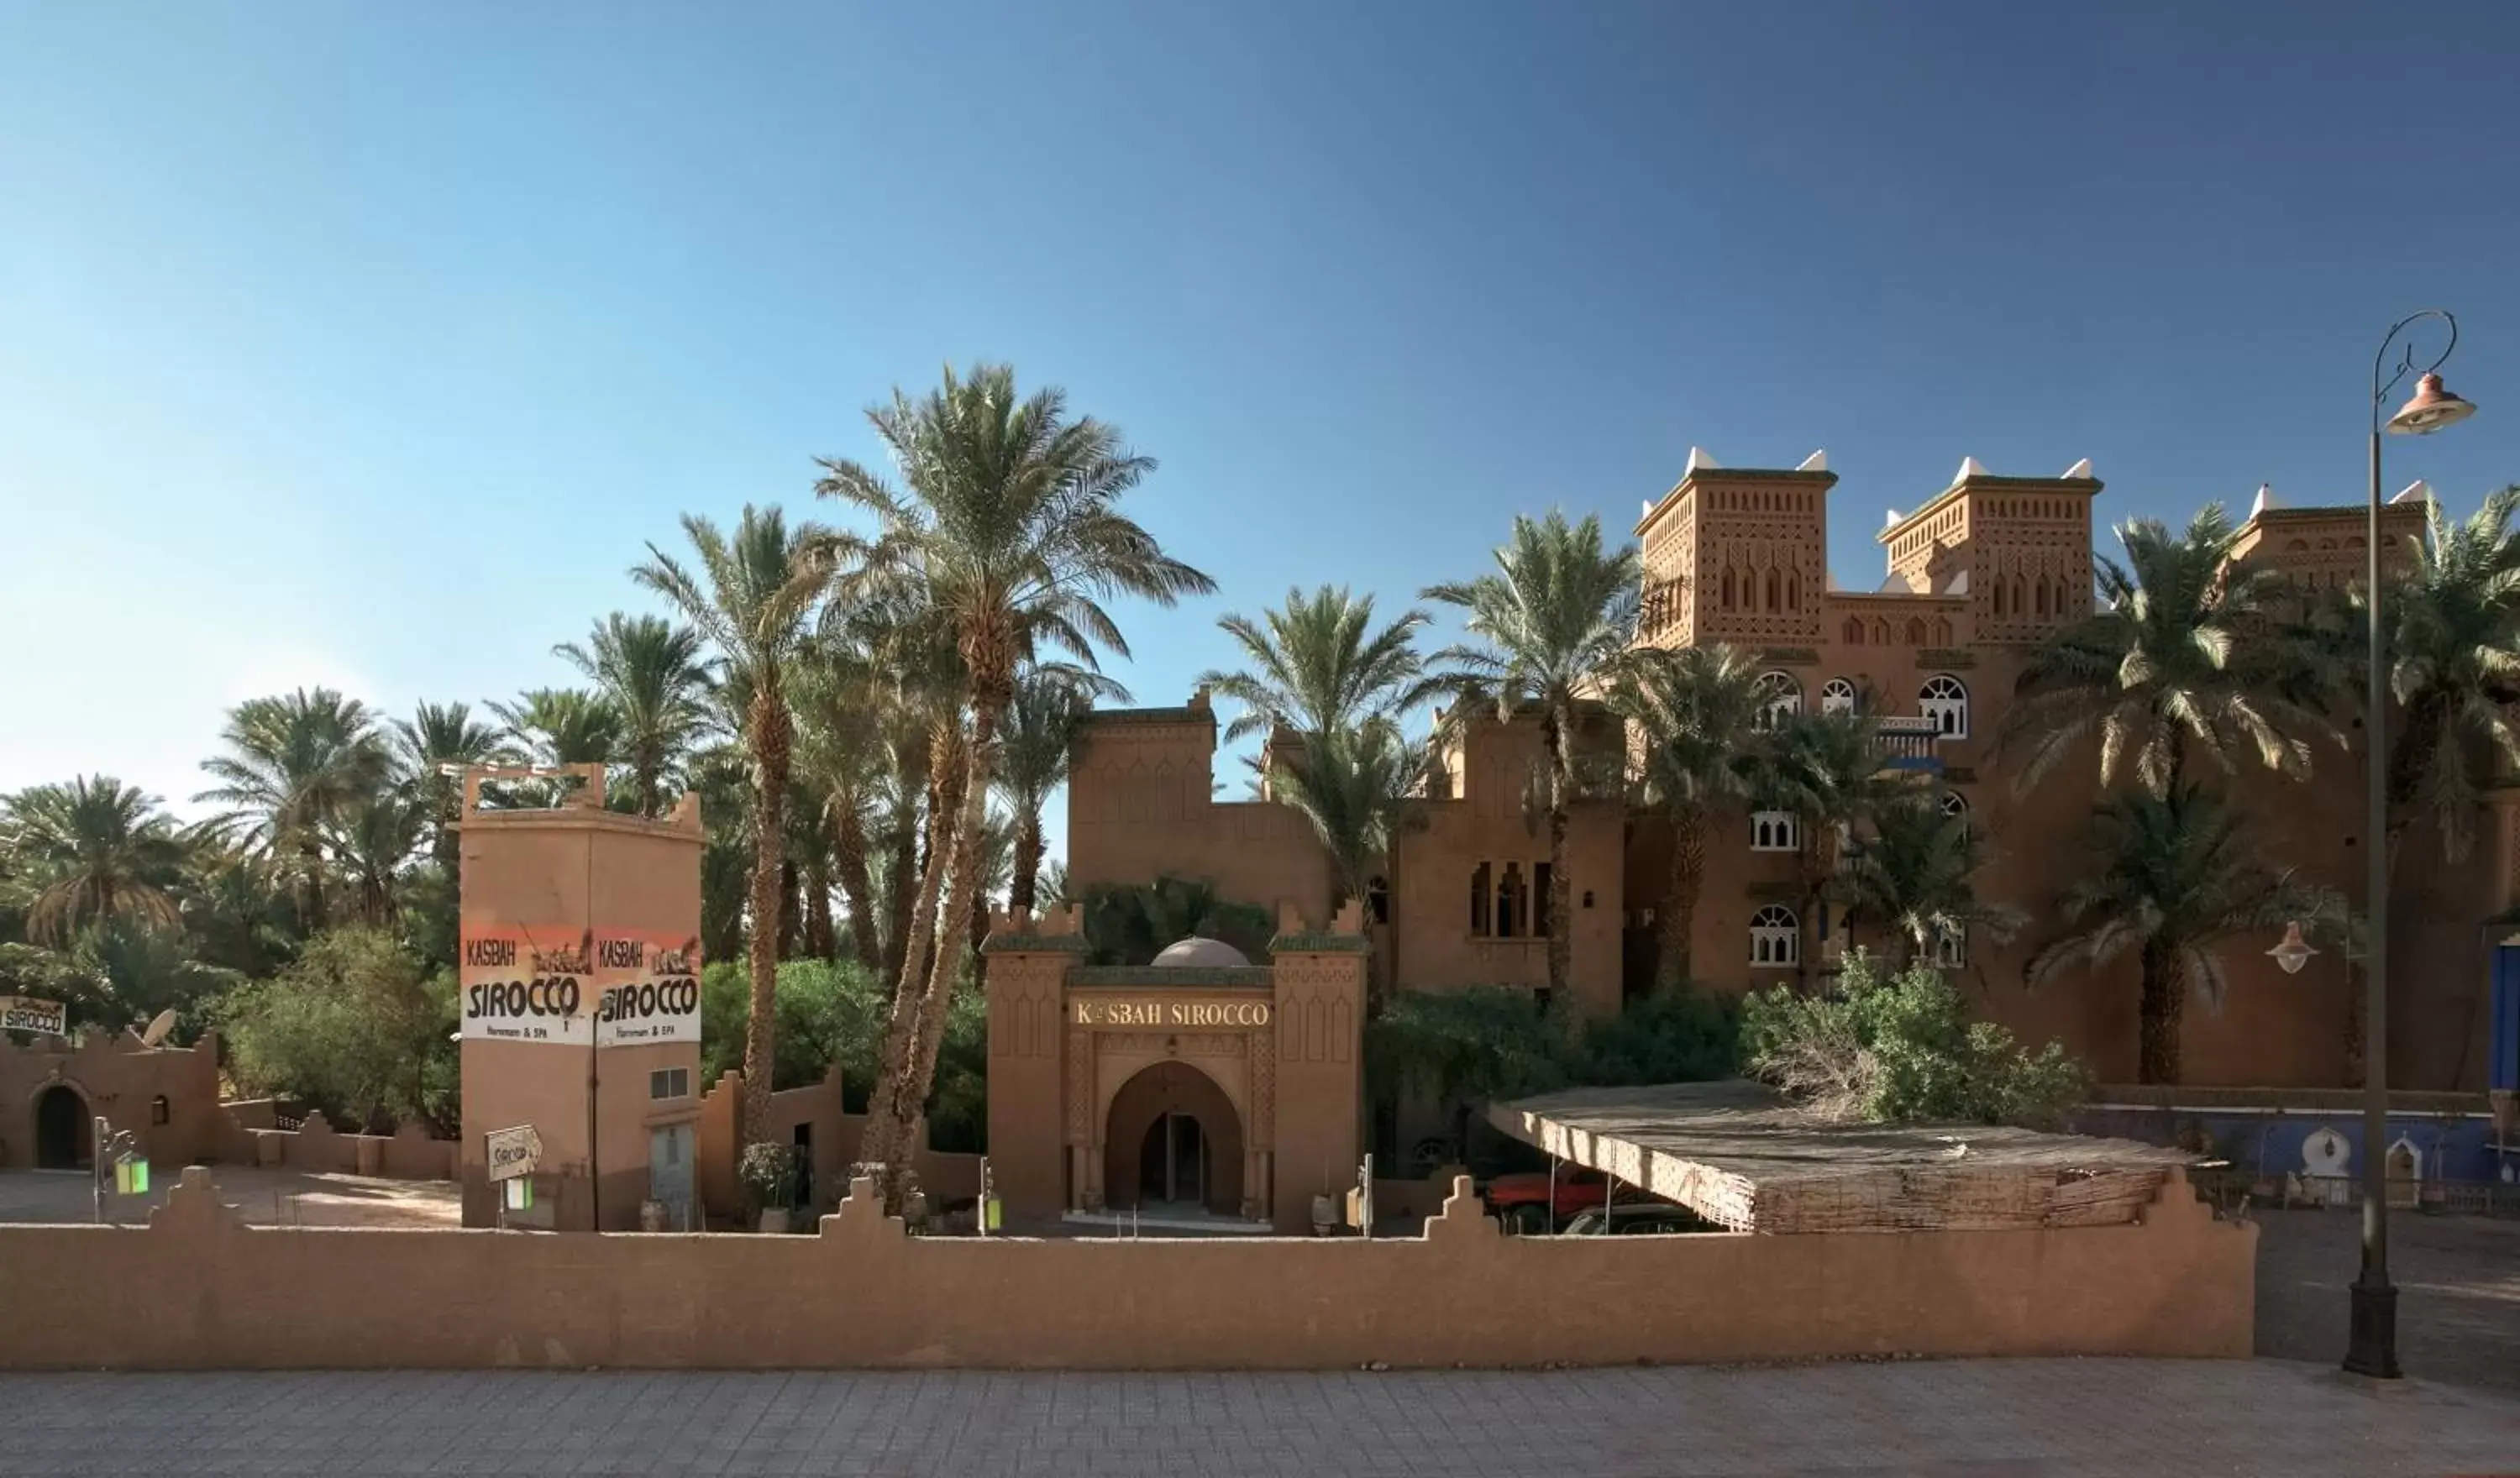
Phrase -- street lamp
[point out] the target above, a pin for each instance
(2293, 951)
(2372, 1347)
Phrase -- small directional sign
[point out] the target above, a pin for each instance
(515, 1151)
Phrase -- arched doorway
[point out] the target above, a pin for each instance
(1173, 1138)
(62, 1133)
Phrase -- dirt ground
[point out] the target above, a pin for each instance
(267, 1198)
(2458, 1291)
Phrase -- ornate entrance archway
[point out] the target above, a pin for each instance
(1172, 1133)
(62, 1136)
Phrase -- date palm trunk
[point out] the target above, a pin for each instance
(1024, 890)
(1561, 927)
(894, 1107)
(849, 862)
(822, 934)
(771, 738)
(1680, 891)
(2163, 1000)
(918, 1025)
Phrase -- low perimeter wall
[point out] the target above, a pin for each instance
(197, 1290)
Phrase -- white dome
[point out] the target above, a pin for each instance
(1198, 953)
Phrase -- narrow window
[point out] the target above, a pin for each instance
(1540, 875)
(1479, 901)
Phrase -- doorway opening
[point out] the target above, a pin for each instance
(63, 1138)
(1172, 1163)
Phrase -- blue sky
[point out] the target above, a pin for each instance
(365, 344)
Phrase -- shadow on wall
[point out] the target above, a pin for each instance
(224, 1296)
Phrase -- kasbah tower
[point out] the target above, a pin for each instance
(1979, 572)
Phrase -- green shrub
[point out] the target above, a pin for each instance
(1901, 1047)
(1672, 1036)
(834, 1014)
(354, 1026)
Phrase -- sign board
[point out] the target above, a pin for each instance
(648, 990)
(514, 1152)
(544, 985)
(131, 1176)
(520, 984)
(25, 1013)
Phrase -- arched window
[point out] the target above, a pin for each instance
(161, 1111)
(1944, 700)
(1951, 948)
(1942, 631)
(1770, 584)
(1775, 939)
(2298, 547)
(2039, 597)
(2020, 598)
(1853, 634)
(1837, 695)
(1916, 631)
(1998, 597)
(1513, 904)
(2354, 541)
(1794, 591)
(1780, 697)
(1378, 898)
(1880, 631)
(1774, 832)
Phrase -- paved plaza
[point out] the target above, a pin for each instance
(1988, 1420)
(265, 1198)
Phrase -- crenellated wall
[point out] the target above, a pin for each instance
(199, 1290)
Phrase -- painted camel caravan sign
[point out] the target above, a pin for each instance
(615, 989)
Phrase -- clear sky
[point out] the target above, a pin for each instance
(365, 344)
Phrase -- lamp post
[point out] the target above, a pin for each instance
(2372, 1347)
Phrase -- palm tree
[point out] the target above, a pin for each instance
(1552, 624)
(1050, 705)
(563, 726)
(296, 764)
(373, 843)
(1357, 787)
(1915, 876)
(1824, 769)
(1009, 530)
(2176, 879)
(2454, 667)
(1319, 665)
(1696, 711)
(438, 735)
(2190, 650)
(839, 749)
(752, 597)
(92, 850)
(651, 673)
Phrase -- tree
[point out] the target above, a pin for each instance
(296, 764)
(1465, 1047)
(92, 850)
(435, 736)
(2175, 880)
(372, 844)
(1549, 626)
(1825, 770)
(1900, 1047)
(1319, 665)
(1009, 530)
(1914, 877)
(2454, 628)
(352, 1025)
(1357, 789)
(751, 598)
(651, 674)
(1128, 923)
(563, 726)
(2188, 651)
(1049, 712)
(840, 749)
(1696, 713)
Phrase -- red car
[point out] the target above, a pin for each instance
(1521, 1201)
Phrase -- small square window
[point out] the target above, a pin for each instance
(161, 1111)
(670, 1083)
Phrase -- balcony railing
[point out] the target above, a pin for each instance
(1907, 743)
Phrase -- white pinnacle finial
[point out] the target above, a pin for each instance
(1817, 462)
(2080, 470)
(1649, 509)
(2418, 491)
(2265, 500)
(1891, 518)
(1699, 461)
(1969, 468)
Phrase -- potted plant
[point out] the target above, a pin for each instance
(766, 1170)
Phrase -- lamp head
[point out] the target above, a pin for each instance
(2293, 951)
(2433, 407)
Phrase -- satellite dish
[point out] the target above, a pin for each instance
(159, 1027)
